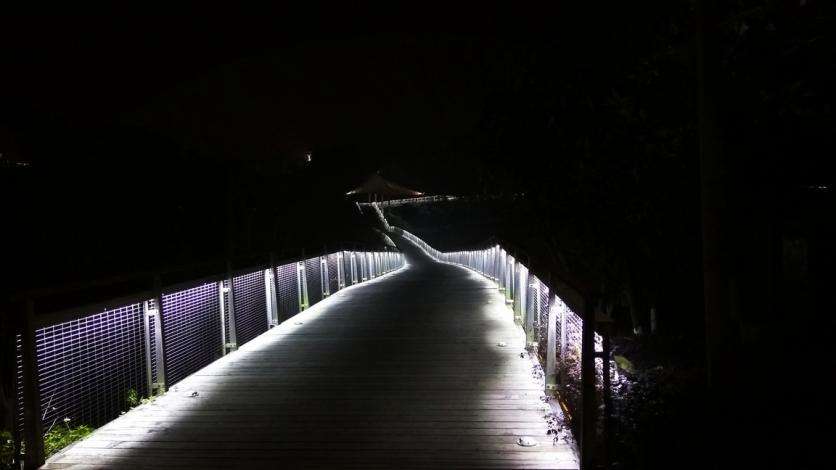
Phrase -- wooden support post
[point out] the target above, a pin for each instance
(588, 385)
(17, 438)
(562, 349)
(33, 433)
(606, 332)
(274, 273)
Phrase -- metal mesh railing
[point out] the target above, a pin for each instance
(542, 318)
(250, 307)
(532, 308)
(152, 342)
(192, 330)
(228, 330)
(287, 281)
(19, 423)
(87, 366)
(314, 280)
(370, 266)
(349, 268)
(364, 266)
(533, 303)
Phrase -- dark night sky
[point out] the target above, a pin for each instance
(243, 90)
(404, 93)
(131, 114)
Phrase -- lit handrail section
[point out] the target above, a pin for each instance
(95, 364)
(553, 330)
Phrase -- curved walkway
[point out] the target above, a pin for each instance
(401, 372)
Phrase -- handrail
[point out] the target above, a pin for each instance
(164, 328)
(543, 321)
(217, 268)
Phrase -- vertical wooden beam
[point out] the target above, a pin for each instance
(33, 434)
(562, 349)
(606, 332)
(588, 385)
(715, 202)
(274, 273)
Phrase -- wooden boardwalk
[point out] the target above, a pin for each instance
(401, 372)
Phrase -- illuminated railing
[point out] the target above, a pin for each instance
(554, 332)
(89, 360)
(412, 200)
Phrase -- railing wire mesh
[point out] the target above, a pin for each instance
(191, 329)
(250, 305)
(88, 366)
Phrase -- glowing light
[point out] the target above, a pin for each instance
(526, 441)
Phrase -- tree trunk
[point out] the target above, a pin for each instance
(713, 186)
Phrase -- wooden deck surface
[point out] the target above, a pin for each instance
(404, 371)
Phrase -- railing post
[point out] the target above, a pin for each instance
(500, 270)
(534, 313)
(509, 279)
(340, 270)
(146, 336)
(353, 268)
(302, 285)
(33, 435)
(551, 349)
(562, 349)
(324, 278)
(230, 296)
(222, 304)
(498, 267)
(270, 294)
(588, 384)
(520, 298)
(274, 274)
(160, 385)
(363, 267)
